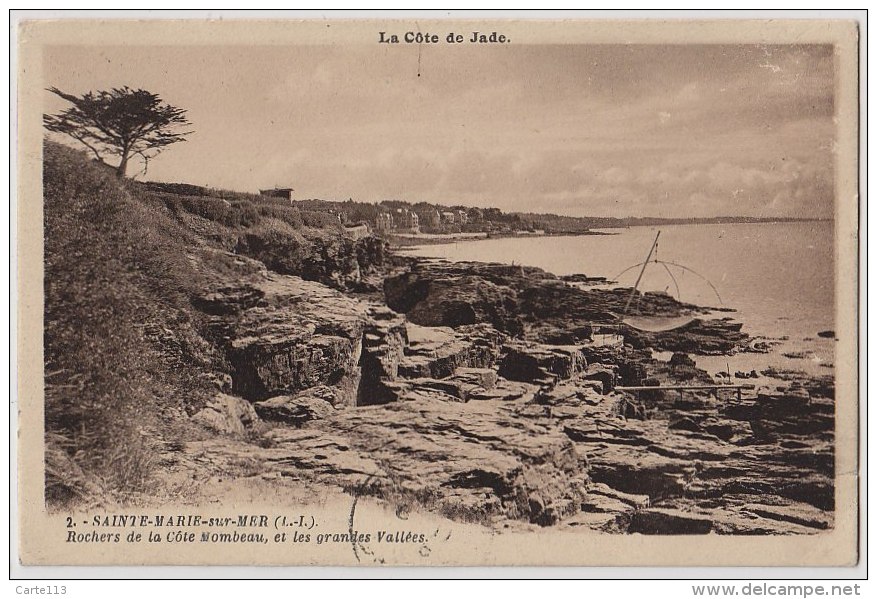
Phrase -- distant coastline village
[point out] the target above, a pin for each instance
(407, 222)
(403, 219)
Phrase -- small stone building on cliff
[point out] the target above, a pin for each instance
(278, 192)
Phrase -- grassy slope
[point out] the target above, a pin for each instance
(127, 356)
(117, 287)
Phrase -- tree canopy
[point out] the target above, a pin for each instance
(121, 122)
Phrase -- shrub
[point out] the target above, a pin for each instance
(322, 220)
(288, 214)
(175, 188)
(277, 244)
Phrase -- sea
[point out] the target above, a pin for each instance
(779, 278)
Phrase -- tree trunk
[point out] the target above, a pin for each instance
(123, 166)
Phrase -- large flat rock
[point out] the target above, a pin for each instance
(472, 461)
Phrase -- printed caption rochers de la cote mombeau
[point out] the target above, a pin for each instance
(179, 529)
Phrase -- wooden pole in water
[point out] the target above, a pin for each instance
(639, 278)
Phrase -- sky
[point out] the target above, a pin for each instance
(582, 130)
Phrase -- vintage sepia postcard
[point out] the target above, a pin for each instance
(438, 292)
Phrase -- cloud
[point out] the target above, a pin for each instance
(605, 130)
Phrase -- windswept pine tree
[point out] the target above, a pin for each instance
(121, 122)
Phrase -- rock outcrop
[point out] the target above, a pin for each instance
(228, 415)
(702, 336)
(313, 404)
(326, 256)
(438, 352)
(297, 335)
(530, 303)
(453, 298)
(493, 399)
(541, 363)
(712, 464)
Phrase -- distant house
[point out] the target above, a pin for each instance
(383, 221)
(462, 217)
(278, 192)
(407, 220)
(449, 217)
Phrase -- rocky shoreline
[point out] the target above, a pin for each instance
(486, 393)
(212, 347)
